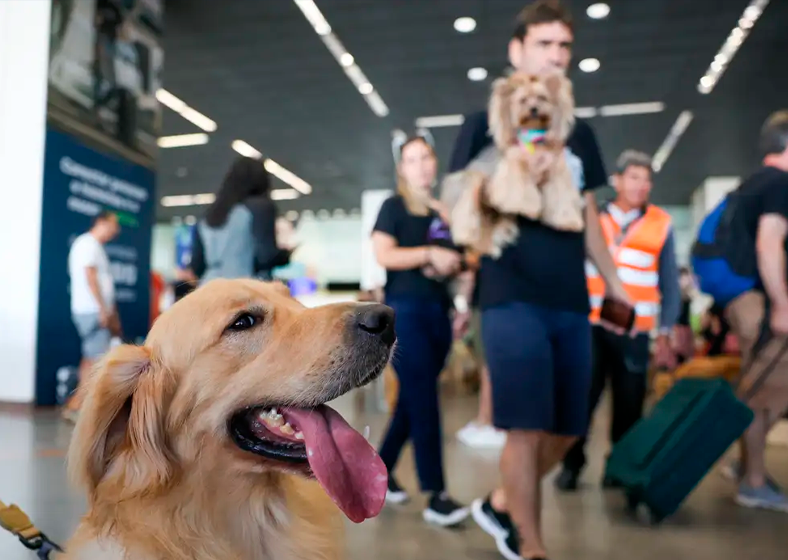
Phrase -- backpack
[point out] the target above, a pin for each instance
(723, 256)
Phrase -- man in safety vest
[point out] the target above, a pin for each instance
(640, 237)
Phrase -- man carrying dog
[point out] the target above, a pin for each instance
(641, 238)
(535, 309)
(759, 317)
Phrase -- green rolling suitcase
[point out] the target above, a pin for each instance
(661, 460)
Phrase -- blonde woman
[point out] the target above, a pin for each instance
(412, 242)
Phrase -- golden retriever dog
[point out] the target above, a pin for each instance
(212, 441)
(530, 120)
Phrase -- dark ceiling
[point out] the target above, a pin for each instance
(260, 71)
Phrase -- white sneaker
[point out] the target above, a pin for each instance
(481, 437)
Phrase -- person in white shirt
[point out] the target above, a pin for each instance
(93, 307)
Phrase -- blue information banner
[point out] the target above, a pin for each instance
(80, 182)
(184, 236)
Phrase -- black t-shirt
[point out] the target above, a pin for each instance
(413, 231)
(544, 266)
(764, 192)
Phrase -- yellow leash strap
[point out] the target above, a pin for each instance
(16, 522)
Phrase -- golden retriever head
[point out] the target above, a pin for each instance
(529, 102)
(230, 386)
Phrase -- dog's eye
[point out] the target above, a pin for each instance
(243, 322)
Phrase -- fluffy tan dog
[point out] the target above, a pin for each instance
(212, 441)
(530, 119)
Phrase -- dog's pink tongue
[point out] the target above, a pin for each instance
(344, 463)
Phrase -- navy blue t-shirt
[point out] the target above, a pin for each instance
(544, 266)
(413, 231)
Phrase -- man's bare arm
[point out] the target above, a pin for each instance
(770, 249)
(95, 289)
(598, 252)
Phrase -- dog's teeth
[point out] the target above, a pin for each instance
(299, 435)
(287, 429)
(273, 421)
(366, 433)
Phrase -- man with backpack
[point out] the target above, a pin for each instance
(740, 259)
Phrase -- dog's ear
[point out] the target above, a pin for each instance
(500, 113)
(120, 435)
(563, 119)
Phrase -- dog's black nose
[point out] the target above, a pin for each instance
(377, 320)
(534, 112)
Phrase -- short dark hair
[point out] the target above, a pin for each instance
(539, 12)
(774, 133)
(104, 215)
(633, 158)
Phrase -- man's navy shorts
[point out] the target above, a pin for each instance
(540, 368)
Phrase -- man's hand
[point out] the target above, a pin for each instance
(779, 320)
(105, 317)
(445, 261)
(462, 320)
(623, 298)
(664, 356)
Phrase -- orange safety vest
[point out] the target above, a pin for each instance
(636, 255)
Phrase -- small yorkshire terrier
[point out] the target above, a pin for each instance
(530, 119)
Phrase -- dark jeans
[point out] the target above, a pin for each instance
(423, 341)
(624, 361)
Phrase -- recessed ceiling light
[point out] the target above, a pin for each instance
(589, 65)
(477, 74)
(465, 24)
(346, 59)
(365, 88)
(600, 10)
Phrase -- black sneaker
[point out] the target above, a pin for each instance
(509, 546)
(444, 511)
(395, 494)
(567, 480)
(497, 524)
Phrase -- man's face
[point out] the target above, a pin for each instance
(546, 47)
(108, 229)
(634, 185)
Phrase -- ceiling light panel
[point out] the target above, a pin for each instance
(346, 61)
(183, 140)
(190, 114)
(273, 168)
(631, 109)
(677, 130)
(439, 121)
(731, 46)
(188, 200)
(284, 194)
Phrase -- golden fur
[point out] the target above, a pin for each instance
(164, 481)
(537, 185)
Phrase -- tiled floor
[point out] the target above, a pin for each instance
(587, 525)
